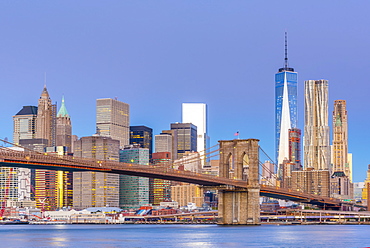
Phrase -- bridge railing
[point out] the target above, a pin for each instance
(54, 159)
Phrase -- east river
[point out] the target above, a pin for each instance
(184, 236)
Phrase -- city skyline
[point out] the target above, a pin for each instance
(224, 53)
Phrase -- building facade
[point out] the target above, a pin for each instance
(185, 135)
(142, 135)
(134, 191)
(159, 189)
(113, 120)
(166, 142)
(184, 194)
(196, 113)
(295, 148)
(316, 129)
(96, 189)
(24, 124)
(340, 138)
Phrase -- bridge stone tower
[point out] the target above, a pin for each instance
(239, 160)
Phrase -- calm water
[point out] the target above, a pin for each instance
(184, 236)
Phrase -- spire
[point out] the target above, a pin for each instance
(286, 68)
(286, 52)
(63, 110)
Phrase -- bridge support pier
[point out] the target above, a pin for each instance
(239, 161)
(239, 207)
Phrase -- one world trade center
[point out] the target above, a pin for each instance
(286, 108)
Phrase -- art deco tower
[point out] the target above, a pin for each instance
(45, 125)
(64, 128)
(285, 107)
(341, 186)
(316, 129)
(340, 138)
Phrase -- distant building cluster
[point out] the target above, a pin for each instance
(41, 128)
(327, 168)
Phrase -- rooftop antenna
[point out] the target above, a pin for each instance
(44, 79)
(286, 52)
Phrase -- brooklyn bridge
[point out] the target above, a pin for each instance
(238, 183)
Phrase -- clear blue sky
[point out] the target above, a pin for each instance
(155, 55)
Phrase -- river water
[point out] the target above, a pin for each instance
(104, 236)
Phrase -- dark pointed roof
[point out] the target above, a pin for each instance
(28, 110)
(45, 93)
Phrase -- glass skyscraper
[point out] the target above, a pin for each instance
(286, 108)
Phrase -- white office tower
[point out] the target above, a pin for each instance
(196, 113)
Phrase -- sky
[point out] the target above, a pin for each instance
(155, 55)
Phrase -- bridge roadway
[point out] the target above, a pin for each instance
(33, 160)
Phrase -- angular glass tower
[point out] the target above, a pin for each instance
(285, 108)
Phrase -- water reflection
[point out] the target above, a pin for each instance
(183, 236)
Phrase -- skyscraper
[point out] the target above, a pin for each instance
(159, 189)
(24, 124)
(113, 120)
(340, 138)
(163, 142)
(341, 186)
(196, 113)
(96, 189)
(134, 191)
(54, 189)
(316, 129)
(64, 128)
(46, 119)
(185, 135)
(285, 107)
(142, 135)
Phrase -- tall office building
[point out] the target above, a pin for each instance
(96, 189)
(159, 189)
(134, 191)
(64, 128)
(341, 186)
(185, 135)
(316, 129)
(285, 108)
(163, 142)
(113, 120)
(24, 124)
(46, 119)
(340, 138)
(142, 135)
(196, 113)
(54, 189)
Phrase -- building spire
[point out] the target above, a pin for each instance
(63, 110)
(286, 66)
(286, 52)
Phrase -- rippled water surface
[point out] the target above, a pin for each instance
(184, 236)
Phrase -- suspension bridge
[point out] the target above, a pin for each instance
(237, 183)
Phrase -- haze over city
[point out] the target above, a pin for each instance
(157, 55)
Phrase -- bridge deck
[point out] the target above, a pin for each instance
(28, 159)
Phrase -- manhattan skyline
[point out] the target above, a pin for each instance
(156, 56)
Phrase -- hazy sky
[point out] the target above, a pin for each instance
(156, 55)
